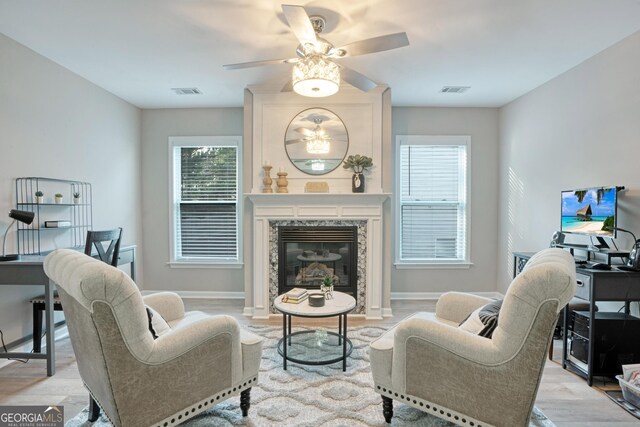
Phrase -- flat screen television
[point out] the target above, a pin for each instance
(589, 211)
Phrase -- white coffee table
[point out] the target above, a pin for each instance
(313, 347)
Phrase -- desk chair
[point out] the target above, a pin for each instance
(97, 239)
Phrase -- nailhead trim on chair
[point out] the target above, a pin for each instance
(201, 406)
(426, 406)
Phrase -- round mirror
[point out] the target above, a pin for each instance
(316, 141)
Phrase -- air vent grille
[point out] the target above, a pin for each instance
(186, 91)
(454, 89)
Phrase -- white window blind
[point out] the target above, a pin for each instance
(432, 212)
(205, 209)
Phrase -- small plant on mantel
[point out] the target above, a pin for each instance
(358, 164)
(58, 197)
(76, 197)
(39, 196)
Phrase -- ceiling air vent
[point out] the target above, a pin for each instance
(454, 89)
(186, 91)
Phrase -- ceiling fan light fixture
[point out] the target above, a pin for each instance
(318, 146)
(316, 77)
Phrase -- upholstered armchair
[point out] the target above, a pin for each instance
(428, 362)
(196, 362)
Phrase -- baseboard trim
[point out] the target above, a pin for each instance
(202, 294)
(435, 295)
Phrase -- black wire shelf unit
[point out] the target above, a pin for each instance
(36, 238)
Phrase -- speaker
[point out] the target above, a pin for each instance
(556, 239)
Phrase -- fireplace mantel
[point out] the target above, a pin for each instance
(313, 206)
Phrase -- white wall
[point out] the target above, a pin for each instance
(56, 124)
(157, 127)
(580, 129)
(482, 125)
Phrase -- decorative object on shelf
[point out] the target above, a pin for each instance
(76, 198)
(282, 181)
(39, 197)
(59, 198)
(316, 299)
(25, 217)
(358, 165)
(327, 287)
(267, 181)
(316, 187)
(316, 141)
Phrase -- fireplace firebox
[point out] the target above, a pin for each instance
(306, 254)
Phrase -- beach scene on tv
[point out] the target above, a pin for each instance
(589, 211)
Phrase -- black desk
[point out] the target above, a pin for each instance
(593, 286)
(29, 271)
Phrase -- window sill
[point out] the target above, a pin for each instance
(205, 264)
(433, 265)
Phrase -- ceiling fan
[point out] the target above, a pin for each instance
(315, 73)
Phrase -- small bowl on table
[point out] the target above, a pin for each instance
(316, 299)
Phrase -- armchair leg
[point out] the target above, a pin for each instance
(387, 408)
(245, 401)
(94, 409)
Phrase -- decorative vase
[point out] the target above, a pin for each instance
(39, 199)
(357, 183)
(76, 200)
(327, 290)
(58, 200)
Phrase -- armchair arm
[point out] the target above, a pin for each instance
(456, 343)
(456, 306)
(177, 342)
(168, 304)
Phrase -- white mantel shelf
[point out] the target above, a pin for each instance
(324, 198)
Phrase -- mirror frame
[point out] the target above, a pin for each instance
(295, 121)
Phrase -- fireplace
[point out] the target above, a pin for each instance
(272, 212)
(306, 254)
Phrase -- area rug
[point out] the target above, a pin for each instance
(312, 396)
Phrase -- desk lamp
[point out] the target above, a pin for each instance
(22, 216)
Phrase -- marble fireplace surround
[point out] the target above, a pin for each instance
(363, 210)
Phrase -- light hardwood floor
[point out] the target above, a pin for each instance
(564, 397)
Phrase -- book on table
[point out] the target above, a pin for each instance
(294, 300)
(296, 293)
(295, 296)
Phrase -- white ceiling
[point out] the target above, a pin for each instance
(140, 49)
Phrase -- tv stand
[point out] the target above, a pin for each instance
(601, 248)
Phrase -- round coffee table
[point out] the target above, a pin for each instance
(316, 347)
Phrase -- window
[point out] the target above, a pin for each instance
(205, 208)
(431, 200)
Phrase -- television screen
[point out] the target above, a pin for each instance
(589, 211)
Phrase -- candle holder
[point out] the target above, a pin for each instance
(267, 181)
(282, 182)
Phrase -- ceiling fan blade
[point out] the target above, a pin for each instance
(305, 131)
(356, 79)
(376, 44)
(300, 24)
(288, 86)
(259, 63)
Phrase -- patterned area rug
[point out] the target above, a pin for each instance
(312, 396)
